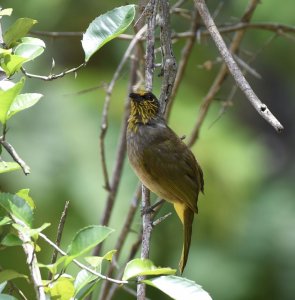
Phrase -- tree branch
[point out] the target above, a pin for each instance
(260, 107)
(9, 148)
(82, 266)
(151, 12)
(60, 229)
(29, 249)
(53, 76)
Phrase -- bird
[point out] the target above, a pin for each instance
(163, 162)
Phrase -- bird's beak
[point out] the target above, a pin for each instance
(135, 97)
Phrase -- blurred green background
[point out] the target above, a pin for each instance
(243, 243)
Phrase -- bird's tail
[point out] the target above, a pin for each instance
(186, 216)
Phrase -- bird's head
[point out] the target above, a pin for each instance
(145, 107)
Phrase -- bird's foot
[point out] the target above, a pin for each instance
(151, 209)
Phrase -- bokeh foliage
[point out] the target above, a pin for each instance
(244, 241)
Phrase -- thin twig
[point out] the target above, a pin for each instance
(223, 29)
(161, 219)
(260, 107)
(82, 266)
(9, 148)
(104, 122)
(221, 76)
(53, 76)
(60, 229)
(169, 65)
(185, 54)
(29, 249)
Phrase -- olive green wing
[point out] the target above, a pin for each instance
(173, 166)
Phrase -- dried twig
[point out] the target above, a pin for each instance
(169, 65)
(104, 123)
(9, 148)
(60, 229)
(185, 54)
(260, 107)
(222, 74)
(269, 26)
(53, 76)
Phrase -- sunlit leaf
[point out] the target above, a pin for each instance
(62, 288)
(140, 267)
(17, 207)
(6, 12)
(94, 261)
(5, 220)
(2, 286)
(179, 288)
(30, 48)
(24, 193)
(23, 101)
(12, 63)
(18, 30)
(106, 27)
(7, 97)
(87, 238)
(53, 267)
(8, 166)
(34, 233)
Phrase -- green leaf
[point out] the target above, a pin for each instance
(24, 193)
(84, 284)
(53, 267)
(7, 275)
(94, 262)
(109, 255)
(34, 233)
(23, 101)
(87, 238)
(106, 27)
(5, 220)
(7, 96)
(6, 12)
(179, 288)
(8, 166)
(30, 48)
(62, 288)
(11, 240)
(17, 207)
(140, 267)
(12, 63)
(18, 30)
(2, 286)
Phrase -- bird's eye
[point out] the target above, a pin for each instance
(149, 97)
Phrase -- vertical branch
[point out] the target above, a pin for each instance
(169, 62)
(116, 176)
(60, 229)
(237, 74)
(29, 249)
(151, 12)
